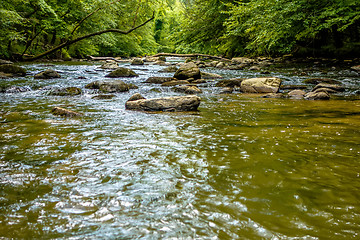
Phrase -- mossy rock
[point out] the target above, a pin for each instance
(122, 72)
(68, 91)
(13, 69)
(109, 86)
(47, 74)
(58, 111)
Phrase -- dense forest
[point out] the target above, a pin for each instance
(78, 28)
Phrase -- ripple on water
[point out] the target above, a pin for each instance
(241, 168)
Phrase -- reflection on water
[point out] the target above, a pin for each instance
(242, 167)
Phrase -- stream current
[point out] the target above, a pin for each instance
(242, 167)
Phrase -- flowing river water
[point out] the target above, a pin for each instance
(242, 167)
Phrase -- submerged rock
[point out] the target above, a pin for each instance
(136, 96)
(199, 81)
(187, 89)
(332, 87)
(229, 83)
(169, 69)
(320, 80)
(174, 83)
(236, 67)
(188, 70)
(122, 72)
(109, 86)
(317, 96)
(227, 90)
(68, 91)
(65, 112)
(159, 80)
(261, 85)
(103, 96)
(293, 87)
(180, 103)
(206, 75)
(273, 95)
(12, 69)
(17, 89)
(132, 86)
(296, 94)
(47, 74)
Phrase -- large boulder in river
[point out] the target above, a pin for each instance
(47, 74)
(109, 86)
(122, 72)
(261, 85)
(12, 69)
(188, 70)
(179, 103)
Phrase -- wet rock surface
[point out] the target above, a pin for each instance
(109, 86)
(68, 91)
(188, 70)
(59, 111)
(178, 103)
(12, 70)
(261, 85)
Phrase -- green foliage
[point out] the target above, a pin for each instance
(226, 27)
(269, 27)
(32, 27)
(202, 27)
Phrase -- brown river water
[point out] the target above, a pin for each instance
(242, 167)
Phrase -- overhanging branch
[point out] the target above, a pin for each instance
(69, 42)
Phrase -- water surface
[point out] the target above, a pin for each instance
(243, 167)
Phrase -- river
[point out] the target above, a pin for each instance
(242, 167)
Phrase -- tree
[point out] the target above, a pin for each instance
(56, 24)
(270, 27)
